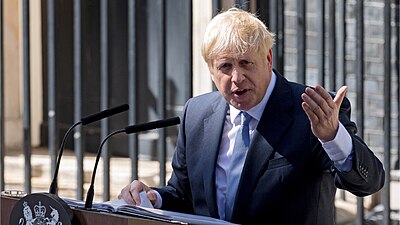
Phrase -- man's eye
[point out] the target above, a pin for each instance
(224, 67)
(245, 62)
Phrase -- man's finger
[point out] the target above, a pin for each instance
(126, 195)
(310, 113)
(152, 196)
(340, 96)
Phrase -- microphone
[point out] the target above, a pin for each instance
(103, 114)
(152, 125)
(84, 121)
(128, 130)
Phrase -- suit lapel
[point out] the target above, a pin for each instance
(271, 128)
(213, 128)
(277, 113)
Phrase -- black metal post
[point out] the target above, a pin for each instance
(104, 93)
(2, 149)
(243, 4)
(301, 41)
(321, 42)
(26, 94)
(161, 102)
(342, 42)
(280, 38)
(216, 7)
(133, 138)
(397, 55)
(332, 45)
(51, 85)
(78, 137)
(341, 52)
(387, 110)
(360, 89)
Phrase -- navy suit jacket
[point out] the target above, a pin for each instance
(287, 177)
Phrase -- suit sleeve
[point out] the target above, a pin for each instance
(176, 196)
(367, 175)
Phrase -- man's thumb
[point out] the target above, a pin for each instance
(340, 95)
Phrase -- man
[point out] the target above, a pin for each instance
(302, 143)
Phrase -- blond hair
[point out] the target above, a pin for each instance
(235, 32)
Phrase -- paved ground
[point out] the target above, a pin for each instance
(148, 172)
(41, 177)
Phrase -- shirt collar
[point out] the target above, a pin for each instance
(257, 111)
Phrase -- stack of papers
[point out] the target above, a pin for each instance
(121, 207)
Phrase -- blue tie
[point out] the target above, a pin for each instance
(242, 142)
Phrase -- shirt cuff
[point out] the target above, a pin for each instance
(339, 149)
(159, 200)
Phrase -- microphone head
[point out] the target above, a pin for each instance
(152, 125)
(103, 114)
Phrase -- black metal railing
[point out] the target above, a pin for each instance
(149, 70)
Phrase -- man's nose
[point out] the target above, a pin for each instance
(237, 75)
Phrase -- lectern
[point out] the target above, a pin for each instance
(80, 216)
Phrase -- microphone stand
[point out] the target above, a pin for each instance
(90, 193)
(127, 130)
(84, 121)
(53, 186)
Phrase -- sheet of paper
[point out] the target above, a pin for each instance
(144, 201)
(115, 203)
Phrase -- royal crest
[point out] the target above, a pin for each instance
(40, 215)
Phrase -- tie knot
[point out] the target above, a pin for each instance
(245, 118)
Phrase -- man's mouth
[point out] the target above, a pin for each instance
(240, 92)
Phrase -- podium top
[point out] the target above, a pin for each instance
(80, 216)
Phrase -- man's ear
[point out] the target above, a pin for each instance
(269, 59)
(212, 77)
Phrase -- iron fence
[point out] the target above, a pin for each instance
(289, 20)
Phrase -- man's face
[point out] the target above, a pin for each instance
(242, 80)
